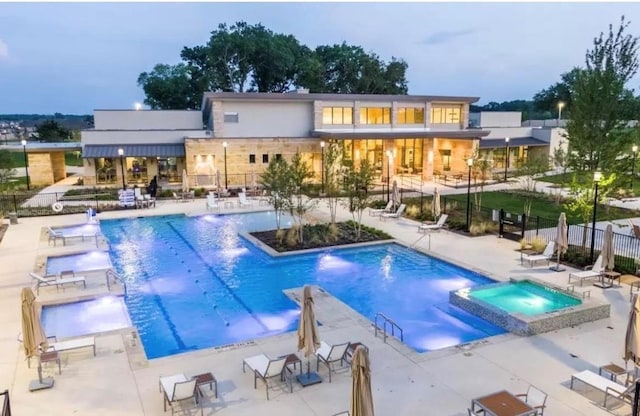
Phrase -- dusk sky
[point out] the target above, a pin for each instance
(74, 58)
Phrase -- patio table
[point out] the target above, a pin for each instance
(503, 403)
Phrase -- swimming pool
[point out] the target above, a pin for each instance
(81, 262)
(195, 283)
(525, 297)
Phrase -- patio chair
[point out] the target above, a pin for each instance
(55, 236)
(56, 281)
(380, 211)
(212, 202)
(535, 398)
(605, 384)
(472, 413)
(265, 368)
(590, 271)
(243, 201)
(546, 255)
(434, 227)
(150, 200)
(177, 198)
(396, 214)
(178, 388)
(329, 354)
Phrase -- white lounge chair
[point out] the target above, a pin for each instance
(608, 386)
(434, 227)
(212, 202)
(590, 272)
(177, 388)
(535, 398)
(265, 368)
(53, 280)
(379, 211)
(329, 354)
(243, 201)
(546, 255)
(396, 214)
(58, 235)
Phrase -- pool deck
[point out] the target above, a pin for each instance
(120, 381)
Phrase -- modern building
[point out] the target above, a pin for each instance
(237, 134)
(507, 133)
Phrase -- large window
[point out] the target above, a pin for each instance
(410, 115)
(445, 115)
(337, 115)
(105, 170)
(375, 115)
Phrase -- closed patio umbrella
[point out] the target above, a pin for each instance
(608, 256)
(254, 182)
(395, 194)
(361, 397)
(33, 335)
(562, 241)
(218, 181)
(435, 206)
(308, 339)
(632, 338)
(185, 181)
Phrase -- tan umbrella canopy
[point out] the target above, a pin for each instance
(361, 397)
(32, 332)
(185, 181)
(608, 256)
(632, 338)
(254, 182)
(562, 241)
(395, 194)
(435, 206)
(308, 339)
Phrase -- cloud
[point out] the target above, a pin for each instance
(444, 36)
(4, 51)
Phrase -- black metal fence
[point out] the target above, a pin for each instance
(6, 404)
(32, 204)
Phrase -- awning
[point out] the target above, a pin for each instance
(513, 142)
(134, 150)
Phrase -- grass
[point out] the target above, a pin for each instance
(542, 206)
(16, 182)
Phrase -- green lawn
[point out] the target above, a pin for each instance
(567, 178)
(541, 206)
(16, 181)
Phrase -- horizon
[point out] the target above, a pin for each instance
(67, 58)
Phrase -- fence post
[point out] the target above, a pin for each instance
(537, 225)
(421, 198)
(501, 224)
(96, 196)
(524, 221)
(15, 203)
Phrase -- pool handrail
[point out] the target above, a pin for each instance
(110, 273)
(385, 320)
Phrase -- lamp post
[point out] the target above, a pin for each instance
(322, 147)
(596, 178)
(506, 157)
(389, 156)
(26, 162)
(121, 154)
(634, 149)
(226, 182)
(560, 106)
(470, 164)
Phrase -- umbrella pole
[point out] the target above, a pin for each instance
(310, 378)
(40, 383)
(557, 267)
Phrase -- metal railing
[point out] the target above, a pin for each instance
(386, 320)
(111, 274)
(6, 404)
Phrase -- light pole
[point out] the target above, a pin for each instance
(121, 154)
(596, 178)
(26, 162)
(389, 156)
(506, 157)
(470, 164)
(322, 147)
(634, 149)
(560, 106)
(226, 182)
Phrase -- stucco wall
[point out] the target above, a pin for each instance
(264, 119)
(147, 120)
(138, 137)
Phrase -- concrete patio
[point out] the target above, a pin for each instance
(120, 381)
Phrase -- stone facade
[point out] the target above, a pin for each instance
(46, 168)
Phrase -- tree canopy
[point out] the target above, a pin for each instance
(252, 58)
(52, 131)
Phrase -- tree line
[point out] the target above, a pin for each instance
(251, 58)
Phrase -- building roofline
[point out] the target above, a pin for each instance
(309, 97)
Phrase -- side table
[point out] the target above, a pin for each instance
(207, 378)
(607, 275)
(613, 370)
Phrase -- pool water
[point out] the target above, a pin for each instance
(83, 262)
(83, 318)
(525, 297)
(82, 229)
(194, 283)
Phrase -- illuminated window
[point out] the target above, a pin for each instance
(446, 159)
(375, 115)
(337, 115)
(410, 115)
(445, 115)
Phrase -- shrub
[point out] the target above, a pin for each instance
(280, 234)
(482, 227)
(333, 233)
(292, 236)
(538, 244)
